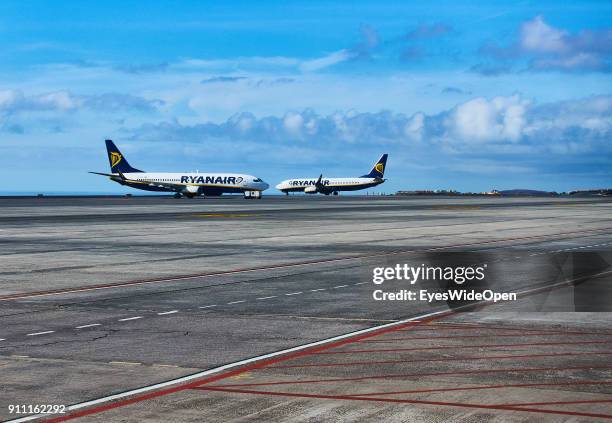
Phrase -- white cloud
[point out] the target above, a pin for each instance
(551, 48)
(536, 35)
(15, 101)
(325, 61)
(293, 123)
(501, 118)
(504, 125)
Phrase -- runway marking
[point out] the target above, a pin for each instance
(130, 318)
(89, 326)
(300, 292)
(2, 339)
(556, 403)
(129, 363)
(489, 335)
(533, 344)
(418, 375)
(404, 401)
(187, 382)
(40, 333)
(224, 215)
(484, 387)
(282, 266)
(82, 409)
(445, 359)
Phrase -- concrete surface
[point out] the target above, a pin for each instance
(267, 275)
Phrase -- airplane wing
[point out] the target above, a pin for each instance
(120, 177)
(320, 187)
(103, 174)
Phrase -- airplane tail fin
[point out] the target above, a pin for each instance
(378, 171)
(118, 163)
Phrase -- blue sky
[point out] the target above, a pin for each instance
(501, 95)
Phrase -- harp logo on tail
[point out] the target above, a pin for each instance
(115, 158)
(379, 167)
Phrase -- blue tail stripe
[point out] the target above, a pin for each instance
(378, 170)
(118, 162)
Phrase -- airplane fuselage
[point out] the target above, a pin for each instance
(194, 183)
(331, 184)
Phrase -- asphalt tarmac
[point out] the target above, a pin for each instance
(103, 296)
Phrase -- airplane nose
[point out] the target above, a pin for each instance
(264, 186)
(279, 186)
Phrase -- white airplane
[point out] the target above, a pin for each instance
(334, 185)
(182, 184)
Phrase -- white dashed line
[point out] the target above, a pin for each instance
(360, 283)
(2, 339)
(167, 312)
(89, 326)
(237, 302)
(40, 333)
(209, 306)
(320, 289)
(294, 293)
(267, 298)
(130, 318)
(340, 286)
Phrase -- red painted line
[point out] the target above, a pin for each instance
(453, 327)
(254, 366)
(407, 375)
(557, 403)
(432, 360)
(531, 344)
(491, 335)
(276, 266)
(485, 387)
(408, 401)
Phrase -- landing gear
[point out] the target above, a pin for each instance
(178, 195)
(248, 195)
(335, 192)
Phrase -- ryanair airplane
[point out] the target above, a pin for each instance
(334, 185)
(182, 184)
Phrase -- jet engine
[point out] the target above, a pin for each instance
(310, 190)
(191, 191)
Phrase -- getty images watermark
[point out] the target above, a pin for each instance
(456, 279)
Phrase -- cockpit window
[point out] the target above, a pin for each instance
(256, 180)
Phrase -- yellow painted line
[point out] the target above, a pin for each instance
(456, 207)
(230, 215)
(245, 375)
